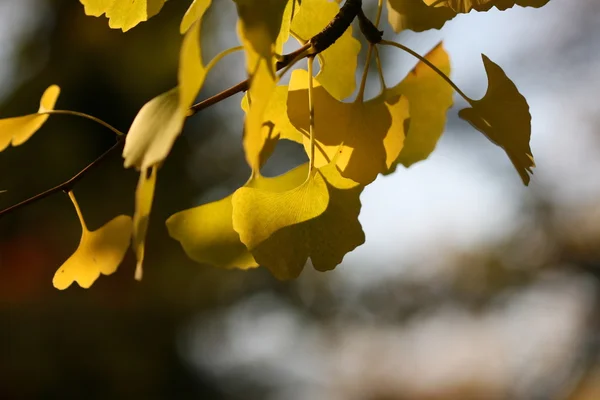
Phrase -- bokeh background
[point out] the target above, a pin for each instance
(469, 286)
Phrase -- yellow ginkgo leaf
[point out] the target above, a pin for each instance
(339, 61)
(366, 136)
(99, 252)
(144, 195)
(502, 115)
(160, 121)
(123, 14)
(325, 239)
(194, 13)
(429, 97)
(260, 212)
(18, 130)
(207, 236)
(421, 15)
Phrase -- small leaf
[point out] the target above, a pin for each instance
(123, 14)
(99, 252)
(207, 236)
(194, 13)
(502, 115)
(366, 137)
(18, 130)
(429, 97)
(160, 121)
(339, 61)
(325, 238)
(144, 195)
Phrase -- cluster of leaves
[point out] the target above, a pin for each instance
(310, 212)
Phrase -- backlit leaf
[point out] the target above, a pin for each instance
(144, 195)
(366, 136)
(339, 61)
(502, 115)
(421, 15)
(207, 236)
(429, 97)
(194, 13)
(160, 121)
(99, 252)
(123, 14)
(18, 130)
(324, 239)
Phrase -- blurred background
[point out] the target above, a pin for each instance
(470, 286)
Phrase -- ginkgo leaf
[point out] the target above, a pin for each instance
(325, 239)
(123, 14)
(99, 252)
(429, 97)
(258, 212)
(339, 61)
(421, 15)
(207, 236)
(194, 13)
(502, 115)
(160, 121)
(18, 130)
(366, 136)
(144, 196)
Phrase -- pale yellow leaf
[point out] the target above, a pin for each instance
(123, 14)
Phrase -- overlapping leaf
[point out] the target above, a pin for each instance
(339, 61)
(123, 14)
(429, 97)
(18, 130)
(421, 15)
(99, 252)
(325, 239)
(366, 136)
(502, 115)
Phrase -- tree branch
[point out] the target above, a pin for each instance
(318, 43)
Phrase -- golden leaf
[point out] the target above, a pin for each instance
(123, 14)
(144, 195)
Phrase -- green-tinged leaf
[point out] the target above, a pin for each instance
(18, 130)
(429, 98)
(502, 115)
(160, 121)
(207, 236)
(325, 239)
(421, 15)
(144, 196)
(99, 252)
(366, 137)
(194, 13)
(339, 61)
(258, 212)
(123, 14)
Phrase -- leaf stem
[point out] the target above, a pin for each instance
(221, 56)
(430, 65)
(363, 82)
(86, 116)
(311, 113)
(77, 210)
(380, 69)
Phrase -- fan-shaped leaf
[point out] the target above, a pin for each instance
(18, 130)
(123, 14)
(502, 115)
(366, 136)
(144, 195)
